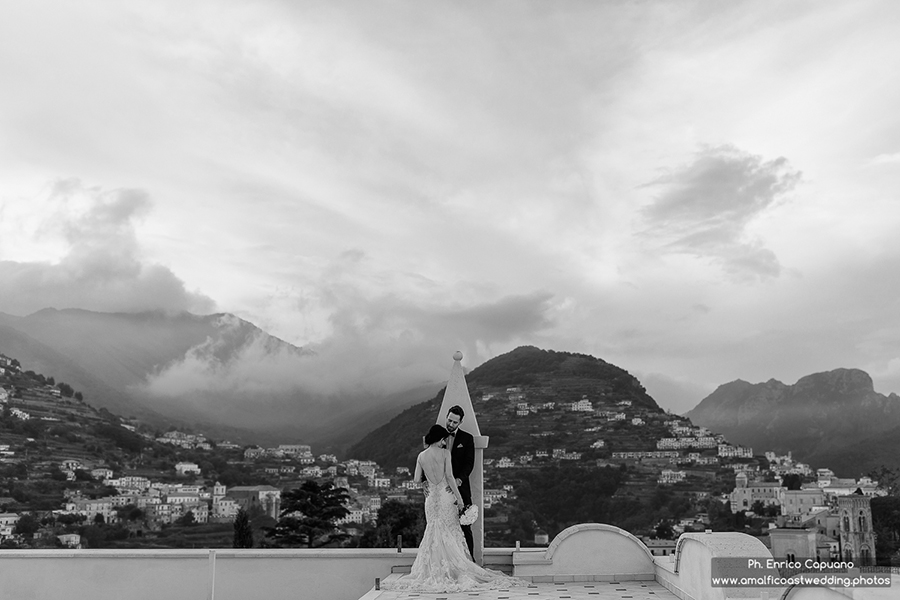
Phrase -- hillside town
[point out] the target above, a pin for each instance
(781, 500)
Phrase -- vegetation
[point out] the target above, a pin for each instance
(121, 437)
(396, 519)
(886, 523)
(243, 532)
(308, 516)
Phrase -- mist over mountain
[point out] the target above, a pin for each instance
(217, 371)
(820, 419)
(41, 358)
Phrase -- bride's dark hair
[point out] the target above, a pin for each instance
(435, 434)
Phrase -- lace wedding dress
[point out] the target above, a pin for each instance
(443, 562)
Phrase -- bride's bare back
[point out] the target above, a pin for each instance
(434, 462)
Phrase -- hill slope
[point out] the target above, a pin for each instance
(543, 376)
(39, 357)
(217, 372)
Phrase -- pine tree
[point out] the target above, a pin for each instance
(309, 514)
(243, 532)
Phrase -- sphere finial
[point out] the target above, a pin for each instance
(457, 355)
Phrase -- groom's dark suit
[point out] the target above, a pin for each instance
(462, 459)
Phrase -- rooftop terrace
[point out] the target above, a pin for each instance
(582, 590)
(583, 562)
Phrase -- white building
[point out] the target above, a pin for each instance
(101, 473)
(668, 476)
(8, 524)
(729, 451)
(495, 495)
(251, 453)
(19, 414)
(225, 509)
(295, 449)
(185, 468)
(200, 510)
(582, 405)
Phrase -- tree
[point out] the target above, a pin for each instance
(308, 516)
(792, 481)
(396, 518)
(27, 524)
(70, 519)
(886, 524)
(888, 479)
(188, 519)
(720, 516)
(664, 531)
(243, 532)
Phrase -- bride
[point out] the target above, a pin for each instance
(443, 562)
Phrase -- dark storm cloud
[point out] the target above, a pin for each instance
(102, 269)
(704, 209)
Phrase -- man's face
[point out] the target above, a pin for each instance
(452, 422)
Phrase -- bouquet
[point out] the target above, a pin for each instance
(469, 515)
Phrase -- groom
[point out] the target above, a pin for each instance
(462, 459)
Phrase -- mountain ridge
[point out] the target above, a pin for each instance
(817, 418)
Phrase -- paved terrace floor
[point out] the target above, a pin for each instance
(598, 590)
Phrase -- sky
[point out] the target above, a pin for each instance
(696, 192)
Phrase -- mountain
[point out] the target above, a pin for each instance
(41, 358)
(543, 376)
(217, 373)
(863, 456)
(818, 419)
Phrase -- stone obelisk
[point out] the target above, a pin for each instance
(457, 393)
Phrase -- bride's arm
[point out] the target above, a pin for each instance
(418, 477)
(448, 471)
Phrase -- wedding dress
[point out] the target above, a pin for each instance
(443, 562)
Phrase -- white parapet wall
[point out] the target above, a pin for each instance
(587, 552)
(688, 572)
(224, 574)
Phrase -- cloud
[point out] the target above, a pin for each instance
(705, 209)
(886, 159)
(378, 346)
(101, 267)
(677, 395)
(390, 343)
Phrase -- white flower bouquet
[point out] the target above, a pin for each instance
(469, 516)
